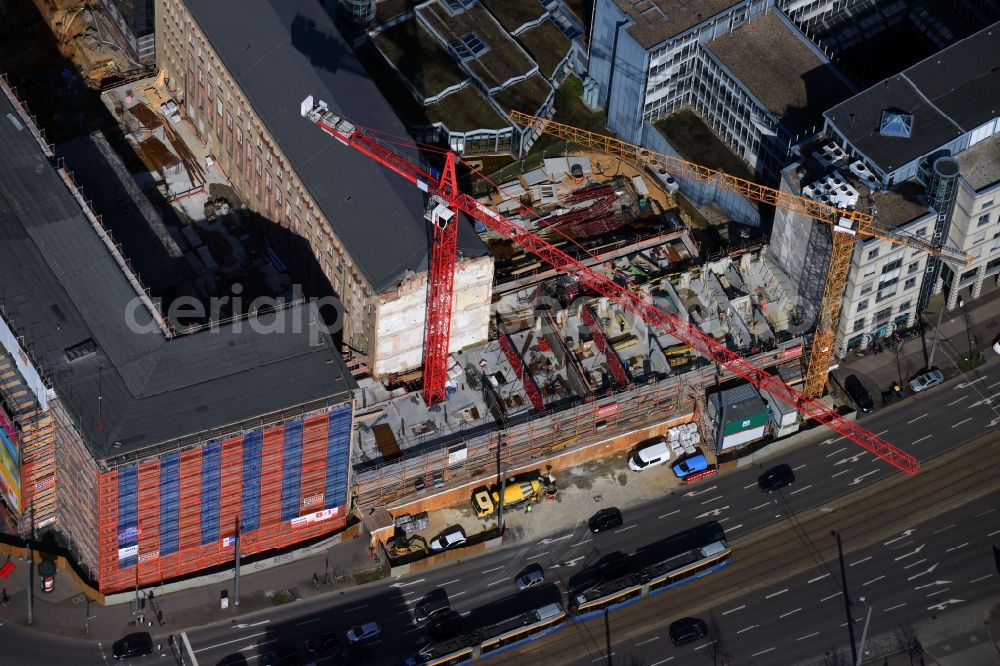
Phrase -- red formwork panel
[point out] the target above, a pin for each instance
(107, 528)
(314, 433)
(232, 485)
(149, 520)
(270, 490)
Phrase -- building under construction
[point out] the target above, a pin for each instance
(142, 451)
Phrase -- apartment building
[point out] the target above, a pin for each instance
(240, 69)
(920, 151)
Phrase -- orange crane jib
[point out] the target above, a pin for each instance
(351, 135)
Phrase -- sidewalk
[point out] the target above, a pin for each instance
(977, 325)
(64, 611)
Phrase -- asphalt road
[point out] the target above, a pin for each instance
(927, 425)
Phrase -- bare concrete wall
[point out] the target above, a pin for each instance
(401, 317)
(600, 449)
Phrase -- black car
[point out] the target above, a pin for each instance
(352, 654)
(859, 394)
(605, 519)
(284, 654)
(776, 478)
(687, 629)
(321, 643)
(133, 645)
(444, 626)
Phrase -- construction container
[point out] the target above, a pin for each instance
(739, 416)
(784, 417)
(180, 512)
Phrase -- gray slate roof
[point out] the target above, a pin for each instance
(280, 51)
(60, 286)
(949, 93)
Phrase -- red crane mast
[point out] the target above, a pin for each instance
(443, 187)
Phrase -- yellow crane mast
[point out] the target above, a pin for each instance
(846, 225)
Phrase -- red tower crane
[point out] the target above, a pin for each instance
(444, 194)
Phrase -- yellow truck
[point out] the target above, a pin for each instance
(485, 501)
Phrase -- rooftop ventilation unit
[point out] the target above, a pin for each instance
(81, 350)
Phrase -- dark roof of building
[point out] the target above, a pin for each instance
(948, 94)
(278, 52)
(60, 287)
(656, 21)
(773, 61)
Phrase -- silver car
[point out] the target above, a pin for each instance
(926, 380)
(530, 577)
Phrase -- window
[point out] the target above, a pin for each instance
(872, 254)
(903, 307)
(885, 295)
(910, 283)
(983, 220)
(866, 289)
(883, 315)
(468, 47)
(859, 326)
(921, 232)
(863, 305)
(913, 268)
(987, 204)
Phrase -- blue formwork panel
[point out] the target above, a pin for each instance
(170, 503)
(253, 447)
(128, 516)
(291, 470)
(338, 453)
(211, 476)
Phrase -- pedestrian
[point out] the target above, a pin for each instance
(527, 508)
(4, 598)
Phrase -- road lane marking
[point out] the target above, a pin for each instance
(922, 439)
(576, 544)
(450, 582)
(789, 613)
(802, 638)
(857, 619)
(813, 580)
(845, 471)
(830, 455)
(757, 654)
(835, 594)
(891, 608)
(801, 489)
(795, 469)
(356, 608)
(961, 545)
(873, 580)
(983, 513)
(992, 533)
(607, 656)
(709, 501)
(706, 645)
(761, 506)
(734, 527)
(854, 564)
(938, 592)
(187, 646)
(879, 434)
(961, 422)
(457, 594)
(955, 402)
(752, 626)
(917, 419)
(405, 594)
(495, 583)
(976, 580)
(310, 621)
(915, 563)
(662, 661)
(752, 485)
(733, 610)
(944, 529)
(235, 640)
(774, 594)
(993, 384)
(497, 568)
(648, 640)
(535, 557)
(626, 529)
(666, 515)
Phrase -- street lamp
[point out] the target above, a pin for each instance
(864, 632)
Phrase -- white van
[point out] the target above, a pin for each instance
(657, 453)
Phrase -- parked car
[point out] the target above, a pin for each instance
(134, 645)
(687, 629)
(531, 576)
(451, 538)
(996, 346)
(321, 643)
(690, 465)
(776, 478)
(430, 607)
(444, 626)
(363, 632)
(282, 654)
(657, 453)
(605, 519)
(926, 380)
(859, 394)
